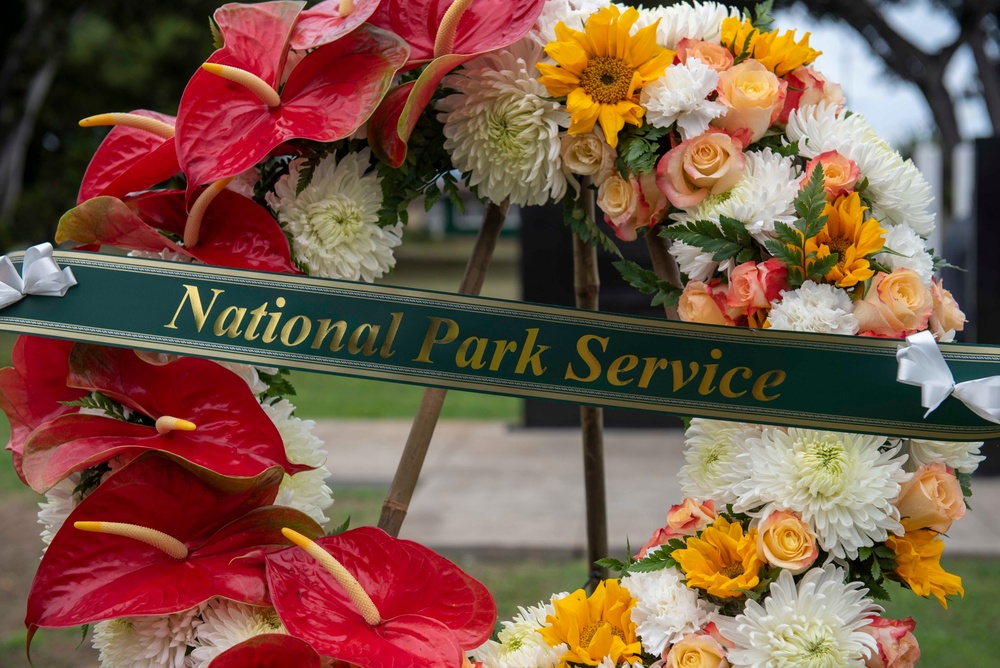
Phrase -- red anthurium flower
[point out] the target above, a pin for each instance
(161, 536)
(328, 21)
(235, 230)
(203, 413)
(138, 153)
(447, 34)
(32, 390)
(392, 603)
(231, 115)
(270, 650)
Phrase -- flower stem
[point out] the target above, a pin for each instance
(354, 590)
(161, 541)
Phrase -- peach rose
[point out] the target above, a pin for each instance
(710, 163)
(807, 87)
(785, 541)
(931, 499)
(839, 173)
(695, 651)
(754, 286)
(715, 56)
(897, 647)
(587, 155)
(651, 205)
(689, 517)
(754, 96)
(661, 536)
(617, 199)
(897, 305)
(701, 302)
(946, 318)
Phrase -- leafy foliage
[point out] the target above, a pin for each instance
(110, 407)
(278, 384)
(648, 283)
(762, 19)
(776, 144)
(728, 239)
(657, 560)
(575, 217)
(790, 248)
(871, 568)
(640, 148)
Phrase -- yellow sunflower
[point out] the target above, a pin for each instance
(594, 627)
(722, 561)
(918, 562)
(779, 53)
(601, 70)
(849, 235)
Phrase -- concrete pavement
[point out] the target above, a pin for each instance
(486, 486)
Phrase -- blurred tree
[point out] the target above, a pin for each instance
(64, 60)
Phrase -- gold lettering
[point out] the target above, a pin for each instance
(501, 348)
(337, 342)
(463, 360)
(233, 329)
(651, 366)
(583, 350)
(286, 331)
(763, 382)
(194, 297)
(677, 367)
(630, 362)
(257, 314)
(368, 349)
(725, 384)
(533, 358)
(272, 324)
(705, 387)
(430, 339)
(386, 351)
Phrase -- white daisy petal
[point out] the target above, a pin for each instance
(227, 623)
(146, 642)
(519, 645)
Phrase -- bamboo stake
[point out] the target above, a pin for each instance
(397, 501)
(664, 265)
(586, 283)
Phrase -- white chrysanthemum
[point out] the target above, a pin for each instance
(711, 449)
(695, 262)
(307, 490)
(165, 254)
(146, 642)
(814, 307)
(227, 623)
(964, 457)
(59, 502)
(842, 485)
(679, 96)
(573, 13)
(815, 624)
(666, 608)
(333, 222)
(899, 192)
(765, 194)
(519, 645)
(700, 20)
(501, 128)
(608, 662)
(904, 240)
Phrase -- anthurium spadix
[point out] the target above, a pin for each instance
(160, 536)
(137, 154)
(269, 650)
(443, 34)
(400, 605)
(232, 114)
(235, 231)
(34, 390)
(231, 433)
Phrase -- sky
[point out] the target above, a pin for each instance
(896, 109)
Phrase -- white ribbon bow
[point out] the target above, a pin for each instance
(922, 364)
(42, 276)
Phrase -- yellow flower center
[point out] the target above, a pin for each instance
(607, 79)
(590, 630)
(732, 571)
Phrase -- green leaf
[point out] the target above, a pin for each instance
(342, 528)
(217, 41)
(576, 219)
(820, 268)
(787, 233)
(648, 283)
(762, 19)
(809, 204)
(278, 384)
(722, 242)
(611, 564)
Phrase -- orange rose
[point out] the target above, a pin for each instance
(785, 541)
(946, 318)
(689, 516)
(695, 651)
(754, 286)
(708, 164)
(701, 303)
(807, 87)
(651, 206)
(839, 173)
(715, 56)
(931, 499)
(897, 305)
(754, 96)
